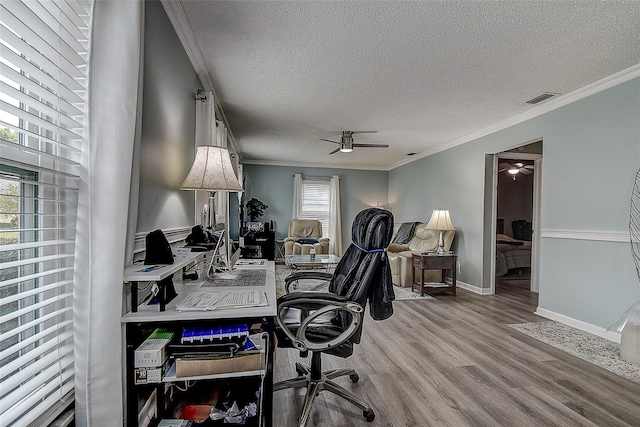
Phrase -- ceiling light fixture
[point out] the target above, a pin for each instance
(347, 143)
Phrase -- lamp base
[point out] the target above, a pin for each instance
(441, 250)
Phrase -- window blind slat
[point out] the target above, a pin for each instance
(33, 261)
(55, 403)
(44, 355)
(72, 150)
(35, 291)
(44, 371)
(44, 85)
(38, 339)
(52, 110)
(63, 160)
(68, 59)
(33, 307)
(40, 275)
(26, 326)
(31, 245)
(37, 121)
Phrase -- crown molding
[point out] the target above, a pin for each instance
(315, 165)
(553, 104)
(178, 18)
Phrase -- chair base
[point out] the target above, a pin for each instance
(315, 381)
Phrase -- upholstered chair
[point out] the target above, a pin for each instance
(304, 235)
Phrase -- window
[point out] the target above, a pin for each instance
(315, 202)
(43, 61)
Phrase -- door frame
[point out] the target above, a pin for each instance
(536, 215)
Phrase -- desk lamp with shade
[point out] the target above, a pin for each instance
(440, 221)
(212, 171)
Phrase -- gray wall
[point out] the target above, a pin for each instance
(591, 155)
(273, 185)
(168, 127)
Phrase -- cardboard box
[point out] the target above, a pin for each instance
(148, 375)
(152, 353)
(193, 367)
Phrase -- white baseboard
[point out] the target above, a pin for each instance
(472, 288)
(579, 324)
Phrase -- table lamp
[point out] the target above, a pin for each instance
(441, 221)
(212, 171)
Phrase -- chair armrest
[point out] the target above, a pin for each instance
(317, 304)
(289, 239)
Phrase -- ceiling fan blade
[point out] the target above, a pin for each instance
(504, 165)
(364, 131)
(502, 170)
(372, 145)
(529, 167)
(525, 171)
(335, 151)
(328, 140)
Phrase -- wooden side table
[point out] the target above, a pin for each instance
(444, 262)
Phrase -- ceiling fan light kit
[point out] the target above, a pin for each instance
(515, 169)
(346, 142)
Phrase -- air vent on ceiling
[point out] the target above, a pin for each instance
(538, 99)
(411, 154)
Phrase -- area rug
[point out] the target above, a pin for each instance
(282, 271)
(591, 348)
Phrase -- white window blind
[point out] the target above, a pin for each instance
(315, 202)
(43, 63)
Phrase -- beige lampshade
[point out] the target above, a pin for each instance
(211, 170)
(440, 220)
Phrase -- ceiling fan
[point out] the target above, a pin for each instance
(515, 168)
(346, 141)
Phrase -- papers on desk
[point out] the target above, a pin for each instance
(204, 301)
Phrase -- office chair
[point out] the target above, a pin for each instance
(331, 322)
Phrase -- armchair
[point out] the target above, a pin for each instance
(331, 322)
(304, 235)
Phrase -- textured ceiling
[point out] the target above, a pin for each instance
(421, 73)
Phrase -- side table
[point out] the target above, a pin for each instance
(429, 261)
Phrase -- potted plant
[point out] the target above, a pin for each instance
(255, 209)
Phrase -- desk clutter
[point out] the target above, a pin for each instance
(209, 363)
(190, 354)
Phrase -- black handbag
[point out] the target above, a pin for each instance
(158, 250)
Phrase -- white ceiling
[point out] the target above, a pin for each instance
(421, 73)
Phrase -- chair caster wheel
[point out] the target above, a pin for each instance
(354, 379)
(369, 415)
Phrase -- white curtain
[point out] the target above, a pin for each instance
(297, 196)
(114, 76)
(335, 224)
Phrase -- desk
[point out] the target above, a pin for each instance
(139, 324)
(424, 262)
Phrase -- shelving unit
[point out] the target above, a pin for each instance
(139, 325)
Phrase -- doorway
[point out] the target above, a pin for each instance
(515, 218)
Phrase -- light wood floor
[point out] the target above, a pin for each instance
(453, 362)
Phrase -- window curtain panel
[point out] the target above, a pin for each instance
(335, 224)
(297, 196)
(115, 69)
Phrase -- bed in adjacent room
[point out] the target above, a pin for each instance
(511, 254)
